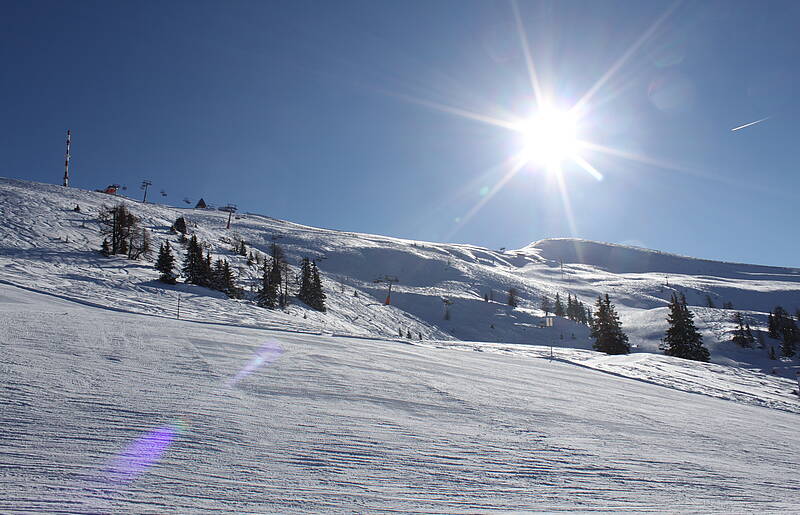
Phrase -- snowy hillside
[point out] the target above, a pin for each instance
(108, 412)
(46, 246)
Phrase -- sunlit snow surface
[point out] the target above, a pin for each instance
(356, 425)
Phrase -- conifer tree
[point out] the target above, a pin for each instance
(179, 225)
(513, 299)
(558, 309)
(267, 296)
(682, 338)
(740, 334)
(772, 329)
(581, 312)
(207, 271)
(222, 279)
(193, 263)
(607, 329)
(784, 328)
(546, 305)
(789, 339)
(166, 264)
(317, 294)
(305, 294)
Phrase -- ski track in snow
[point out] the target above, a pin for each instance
(339, 424)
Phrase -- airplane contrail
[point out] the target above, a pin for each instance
(749, 124)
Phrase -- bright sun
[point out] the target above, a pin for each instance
(549, 137)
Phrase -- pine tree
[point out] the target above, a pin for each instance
(166, 264)
(789, 339)
(267, 296)
(179, 225)
(279, 269)
(581, 311)
(772, 329)
(740, 334)
(194, 263)
(206, 271)
(748, 334)
(513, 299)
(607, 329)
(559, 307)
(317, 294)
(785, 328)
(546, 305)
(305, 294)
(222, 279)
(682, 338)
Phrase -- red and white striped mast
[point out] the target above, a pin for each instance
(66, 162)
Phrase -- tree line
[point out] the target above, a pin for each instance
(123, 235)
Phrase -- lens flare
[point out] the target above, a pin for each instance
(268, 353)
(141, 455)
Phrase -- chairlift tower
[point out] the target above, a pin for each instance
(388, 280)
(145, 185)
(230, 209)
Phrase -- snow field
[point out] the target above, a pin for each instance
(339, 424)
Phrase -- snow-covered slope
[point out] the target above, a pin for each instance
(109, 412)
(46, 246)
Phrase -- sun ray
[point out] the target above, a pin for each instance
(464, 113)
(624, 58)
(562, 188)
(523, 39)
(583, 163)
(644, 159)
(515, 164)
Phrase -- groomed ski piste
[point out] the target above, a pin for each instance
(110, 404)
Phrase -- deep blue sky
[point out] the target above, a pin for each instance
(306, 111)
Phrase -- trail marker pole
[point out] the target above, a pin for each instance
(179, 306)
(66, 161)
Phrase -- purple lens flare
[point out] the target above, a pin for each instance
(141, 454)
(268, 353)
